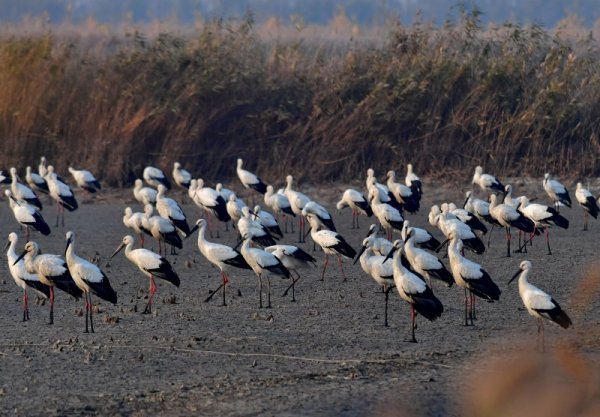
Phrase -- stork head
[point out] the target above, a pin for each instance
(177, 165)
(409, 168)
(396, 247)
(478, 170)
(524, 266)
(367, 243)
(240, 162)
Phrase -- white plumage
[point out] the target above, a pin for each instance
(297, 202)
(380, 245)
(421, 237)
(22, 192)
(61, 193)
(557, 192)
(42, 170)
(412, 180)
(425, 263)
(538, 303)
(248, 179)
(249, 228)
(294, 259)
(389, 217)
(267, 220)
(169, 209)
(403, 194)
(135, 222)
(224, 192)
(144, 195)
(35, 181)
(588, 202)
(181, 176)
(487, 182)
(27, 216)
(85, 180)
(321, 214)
(210, 201)
(263, 263)
(161, 229)
(155, 177)
(357, 202)
(89, 278)
(151, 264)
(234, 208)
(22, 278)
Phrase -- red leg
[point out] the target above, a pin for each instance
(324, 267)
(51, 305)
(412, 316)
(339, 258)
(225, 281)
(25, 306)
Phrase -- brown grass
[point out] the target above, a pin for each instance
(519, 100)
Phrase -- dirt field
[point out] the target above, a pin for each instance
(328, 354)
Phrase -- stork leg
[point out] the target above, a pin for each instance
(89, 296)
(212, 293)
(87, 311)
(260, 304)
(339, 258)
(25, 306)
(466, 308)
(385, 315)
(291, 286)
(57, 213)
(357, 216)
(51, 305)
(224, 285)
(413, 325)
(300, 221)
(324, 267)
(490, 235)
(142, 239)
(269, 292)
(473, 316)
(152, 291)
(547, 232)
(508, 238)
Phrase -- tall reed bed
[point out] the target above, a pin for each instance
(519, 100)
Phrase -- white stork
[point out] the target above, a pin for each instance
(161, 229)
(267, 220)
(441, 220)
(414, 291)
(62, 194)
(22, 278)
(280, 204)
(51, 270)
(389, 217)
(155, 177)
(320, 213)
(169, 209)
(89, 278)
(263, 263)
(22, 192)
(211, 202)
(588, 203)
(543, 217)
(181, 176)
(331, 242)
(297, 202)
(234, 208)
(85, 180)
(135, 222)
(425, 263)
(144, 195)
(402, 193)
(508, 216)
(42, 169)
(538, 303)
(421, 237)
(35, 181)
(249, 228)
(557, 192)
(357, 202)
(487, 182)
(470, 276)
(151, 264)
(248, 179)
(413, 181)
(27, 216)
(293, 258)
(381, 246)
(221, 256)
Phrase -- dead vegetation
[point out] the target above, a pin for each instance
(520, 100)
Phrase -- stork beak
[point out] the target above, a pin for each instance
(514, 276)
(307, 233)
(15, 200)
(389, 255)
(370, 232)
(6, 246)
(465, 202)
(21, 256)
(439, 248)
(67, 247)
(357, 257)
(196, 227)
(118, 250)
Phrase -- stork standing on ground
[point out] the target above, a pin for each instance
(89, 278)
(22, 192)
(413, 181)
(442, 220)
(22, 278)
(181, 176)
(263, 263)
(144, 195)
(588, 203)
(402, 194)
(385, 196)
(151, 264)
(297, 202)
(379, 245)
(358, 204)
(155, 177)
(42, 169)
(508, 217)
(293, 258)
(421, 237)
(331, 242)
(543, 217)
(487, 182)
(557, 192)
(62, 194)
(135, 222)
(161, 229)
(250, 180)
(388, 216)
(27, 216)
(539, 304)
(211, 202)
(252, 229)
(51, 270)
(470, 276)
(467, 218)
(280, 204)
(414, 291)
(221, 256)
(169, 209)
(85, 180)
(425, 263)
(35, 181)
(234, 208)
(268, 221)
(375, 266)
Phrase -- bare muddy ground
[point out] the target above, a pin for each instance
(327, 354)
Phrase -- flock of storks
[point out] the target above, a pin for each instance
(409, 264)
